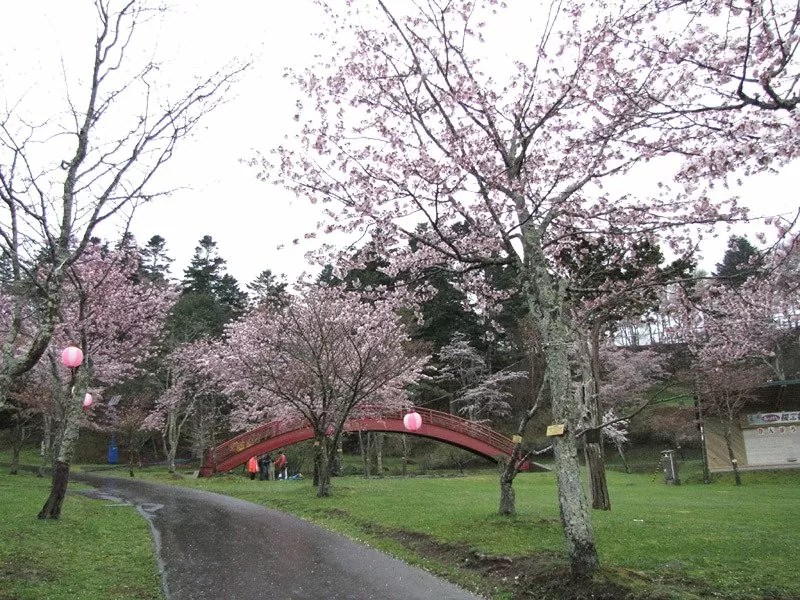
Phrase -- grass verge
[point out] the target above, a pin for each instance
(96, 550)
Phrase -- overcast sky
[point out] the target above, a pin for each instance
(219, 195)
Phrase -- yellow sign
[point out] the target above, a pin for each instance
(517, 439)
(558, 429)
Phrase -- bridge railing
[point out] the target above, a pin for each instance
(430, 417)
(245, 440)
(472, 429)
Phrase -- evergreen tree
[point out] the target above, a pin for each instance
(327, 278)
(741, 261)
(228, 293)
(210, 297)
(446, 314)
(156, 262)
(269, 289)
(205, 270)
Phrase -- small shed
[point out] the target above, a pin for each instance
(766, 434)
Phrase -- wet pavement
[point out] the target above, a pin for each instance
(216, 547)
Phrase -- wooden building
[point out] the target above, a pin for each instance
(766, 434)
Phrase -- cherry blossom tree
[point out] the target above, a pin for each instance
(608, 285)
(735, 333)
(125, 417)
(29, 398)
(481, 395)
(114, 318)
(726, 78)
(187, 379)
(616, 432)
(723, 324)
(504, 162)
(84, 162)
(631, 380)
(723, 391)
(321, 359)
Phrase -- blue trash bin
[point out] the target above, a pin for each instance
(113, 451)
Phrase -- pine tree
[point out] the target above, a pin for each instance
(210, 297)
(205, 270)
(327, 278)
(741, 261)
(156, 262)
(269, 289)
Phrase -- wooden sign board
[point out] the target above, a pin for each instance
(557, 429)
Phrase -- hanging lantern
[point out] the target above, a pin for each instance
(87, 401)
(71, 356)
(412, 421)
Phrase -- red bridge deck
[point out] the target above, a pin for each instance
(475, 437)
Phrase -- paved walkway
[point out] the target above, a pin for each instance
(216, 547)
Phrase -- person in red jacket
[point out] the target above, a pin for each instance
(280, 466)
(252, 467)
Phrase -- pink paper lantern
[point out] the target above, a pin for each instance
(87, 401)
(71, 356)
(412, 421)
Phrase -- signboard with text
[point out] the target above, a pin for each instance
(773, 418)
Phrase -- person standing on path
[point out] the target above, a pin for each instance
(280, 465)
(252, 467)
(263, 467)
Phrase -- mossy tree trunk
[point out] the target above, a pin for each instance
(78, 381)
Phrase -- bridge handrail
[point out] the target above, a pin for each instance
(474, 429)
(429, 416)
(254, 436)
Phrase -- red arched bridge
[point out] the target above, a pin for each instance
(444, 427)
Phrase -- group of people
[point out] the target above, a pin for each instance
(266, 468)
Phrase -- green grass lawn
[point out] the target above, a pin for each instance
(688, 541)
(97, 550)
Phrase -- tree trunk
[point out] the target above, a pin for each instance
(731, 456)
(16, 446)
(508, 498)
(598, 486)
(46, 447)
(171, 440)
(510, 469)
(545, 295)
(578, 531)
(318, 443)
(336, 461)
(404, 440)
(593, 440)
(365, 450)
(14, 469)
(58, 489)
(130, 456)
(624, 458)
(378, 437)
(324, 485)
(701, 428)
(72, 412)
